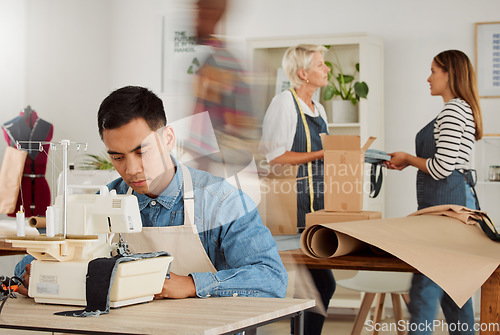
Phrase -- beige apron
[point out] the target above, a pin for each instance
(182, 242)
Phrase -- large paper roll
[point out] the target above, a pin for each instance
(321, 242)
(441, 247)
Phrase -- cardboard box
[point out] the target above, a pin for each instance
(278, 205)
(344, 169)
(322, 216)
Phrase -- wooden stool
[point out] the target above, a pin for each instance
(377, 284)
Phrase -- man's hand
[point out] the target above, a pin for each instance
(177, 287)
(23, 289)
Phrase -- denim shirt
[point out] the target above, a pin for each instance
(240, 247)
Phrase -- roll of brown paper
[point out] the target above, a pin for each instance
(37, 221)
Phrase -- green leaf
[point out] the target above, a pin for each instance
(357, 67)
(329, 92)
(361, 89)
(348, 78)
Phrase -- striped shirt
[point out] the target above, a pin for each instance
(454, 131)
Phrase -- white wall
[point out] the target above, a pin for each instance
(12, 59)
(68, 60)
(55, 58)
(136, 35)
(78, 51)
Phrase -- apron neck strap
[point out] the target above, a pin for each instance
(308, 146)
(188, 196)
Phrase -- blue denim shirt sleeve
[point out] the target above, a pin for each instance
(248, 263)
(19, 269)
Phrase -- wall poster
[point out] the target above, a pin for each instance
(488, 59)
(181, 55)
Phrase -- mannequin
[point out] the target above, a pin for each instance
(35, 189)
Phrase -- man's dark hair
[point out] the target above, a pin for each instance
(129, 103)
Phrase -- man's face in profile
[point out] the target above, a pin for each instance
(141, 155)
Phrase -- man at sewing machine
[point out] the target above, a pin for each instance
(213, 230)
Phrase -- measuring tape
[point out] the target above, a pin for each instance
(308, 141)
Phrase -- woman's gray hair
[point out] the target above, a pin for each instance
(299, 57)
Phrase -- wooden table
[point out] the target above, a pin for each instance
(490, 290)
(6, 249)
(169, 316)
(203, 316)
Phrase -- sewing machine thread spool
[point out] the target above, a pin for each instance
(56, 217)
(20, 222)
(49, 222)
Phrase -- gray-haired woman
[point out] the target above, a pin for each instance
(291, 135)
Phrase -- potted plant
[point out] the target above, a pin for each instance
(346, 88)
(96, 162)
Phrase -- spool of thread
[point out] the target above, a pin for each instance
(57, 227)
(20, 222)
(49, 222)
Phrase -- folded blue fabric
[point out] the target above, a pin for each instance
(100, 275)
(374, 156)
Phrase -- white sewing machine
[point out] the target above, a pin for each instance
(58, 274)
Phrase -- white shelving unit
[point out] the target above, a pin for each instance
(265, 55)
(488, 153)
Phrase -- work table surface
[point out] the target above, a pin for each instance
(169, 316)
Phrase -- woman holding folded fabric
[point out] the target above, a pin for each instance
(443, 149)
(291, 135)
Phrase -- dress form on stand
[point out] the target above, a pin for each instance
(35, 190)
